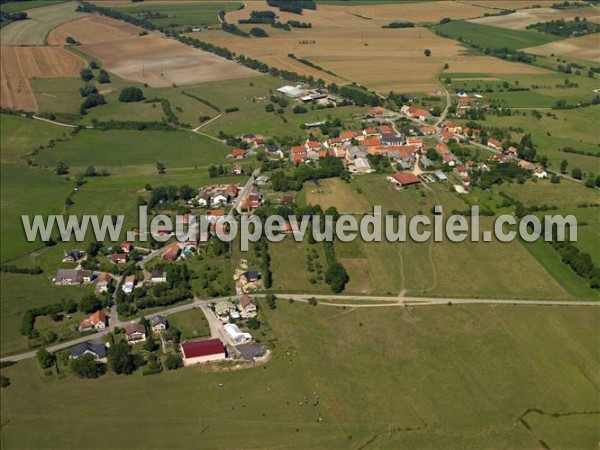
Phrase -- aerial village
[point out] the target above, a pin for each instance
(420, 153)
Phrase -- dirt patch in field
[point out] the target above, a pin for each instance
(20, 64)
(583, 47)
(490, 65)
(93, 29)
(521, 19)
(164, 62)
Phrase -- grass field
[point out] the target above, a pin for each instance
(191, 323)
(127, 152)
(370, 389)
(251, 96)
(41, 21)
(572, 128)
(21, 292)
(20, 136)
(494, 37)
(544, 89)
(181, 14)
(337, 193)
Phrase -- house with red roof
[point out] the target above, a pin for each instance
(119, 258)
(494, 143)
(126, 247)
(462, 171)
(416, 113)
(371, 142)
(377, 111)
(238, 153)
(172, 252)
(196, 352)
(403, 179)
(97, 321)
(447, 136)
(442, 148)
(347, 135)
(428, 130)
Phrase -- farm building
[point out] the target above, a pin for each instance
(403, 179)
(72, 277)
(291, 91)
(236, 334)
(195, 352)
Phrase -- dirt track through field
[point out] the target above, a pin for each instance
(21, 64)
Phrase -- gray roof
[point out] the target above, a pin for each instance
(158, 319)
(72, 275)
(97, 348)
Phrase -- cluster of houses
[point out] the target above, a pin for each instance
(215, 195)
(245, 308)
(154, 277)
(354, 146)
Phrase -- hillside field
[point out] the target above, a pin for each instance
(408, 402)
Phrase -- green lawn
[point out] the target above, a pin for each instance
(181, 15)
(434, 377)
(191, 323)
(494, 37)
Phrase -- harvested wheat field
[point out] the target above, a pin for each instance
(509, 4)
(583, 47)
(521, 19)
(20, 64)
(93, 29)
(353, 48)
(163, 62)
(490, 65)
(41, 21)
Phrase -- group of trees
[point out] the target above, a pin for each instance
(293, 6)
(170, 194)
(563, 28)
(131, 94)
(329, 167)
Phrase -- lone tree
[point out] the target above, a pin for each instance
(427, 52)
(577, 173)
(62, 168)
(160, 168)
(131, 94)
(86, 367)
(563, 166)
(45, 358)
(120, 358)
